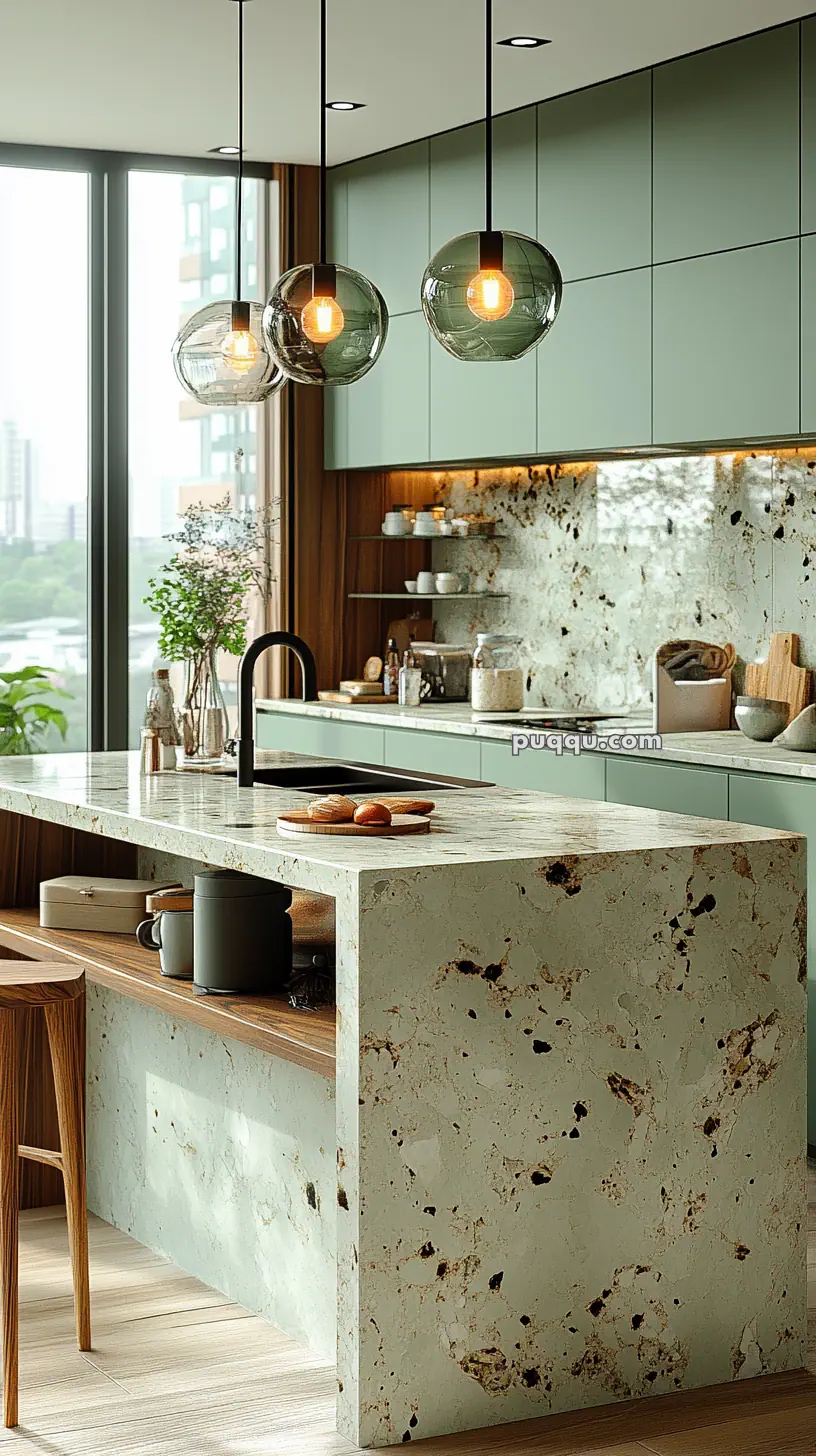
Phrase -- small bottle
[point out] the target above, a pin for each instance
(391, 670)
(410, 682)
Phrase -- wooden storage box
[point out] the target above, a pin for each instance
(80, 902)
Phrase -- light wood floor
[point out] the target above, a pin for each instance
(177, 1368)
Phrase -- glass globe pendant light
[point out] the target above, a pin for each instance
(220, 356)
(324, 323)
(491, 296)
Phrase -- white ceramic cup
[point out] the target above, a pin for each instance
(447, 583)
(411, 586)
(425, 583)
(395, 524)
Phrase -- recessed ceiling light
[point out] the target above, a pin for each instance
(225, 151)
(345, 105)
(525, 42)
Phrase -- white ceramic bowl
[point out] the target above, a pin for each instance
(448, 583)
(761, 718)
(411, 586)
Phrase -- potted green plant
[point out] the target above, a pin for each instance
(25, 717)
(201, 599)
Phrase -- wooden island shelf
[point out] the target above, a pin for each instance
(119, 962)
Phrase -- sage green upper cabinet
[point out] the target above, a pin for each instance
(726, 345)
(594, 367)
(726, 146)
(337, 204)
(808, 405)
(808, 127)
(388, 407)
(458, 178)
(595, 177)
(388, 234)
(482, 410)
(335, 401)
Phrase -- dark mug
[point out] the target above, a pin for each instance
(170, 933)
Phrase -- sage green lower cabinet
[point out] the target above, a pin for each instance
(322, 737)
(680, 790)
(787, 804)
(594, 368)
(726, 345)
(427, 752)
(577, 776)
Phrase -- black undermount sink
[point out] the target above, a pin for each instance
(356, 778)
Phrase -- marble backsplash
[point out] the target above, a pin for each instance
(604, 561)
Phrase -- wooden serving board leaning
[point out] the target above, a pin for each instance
(778, 677)
(297, 823)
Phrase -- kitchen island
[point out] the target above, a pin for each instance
(555, 1156)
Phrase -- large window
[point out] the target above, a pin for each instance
(101, 260)
(180, 258)
(44, 456)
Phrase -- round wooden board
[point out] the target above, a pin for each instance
(297, 823)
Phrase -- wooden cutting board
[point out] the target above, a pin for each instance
(297, 823)
(329, 697)
(779, 676)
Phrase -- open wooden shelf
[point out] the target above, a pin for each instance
(396, 596)
(436, 537)
(118, 961)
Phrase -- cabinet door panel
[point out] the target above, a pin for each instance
(680, 790)
(321, 737)
(594, 368)
(808, 336)
(595, 177)
(388, 410)
(442, 753)
(574, 776)
(809, 126)
(479, 411)
(726, 345)
(787, 804)
(726, 146)
(388, 235)
(458, 178)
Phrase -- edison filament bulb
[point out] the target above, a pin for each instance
(490, 295)
(322, 319)
(240, 350)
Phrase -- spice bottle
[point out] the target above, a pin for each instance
(391, 669)
(410, 682)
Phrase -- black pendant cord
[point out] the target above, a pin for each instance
(323, 99)
(488, 116)
(240, 199)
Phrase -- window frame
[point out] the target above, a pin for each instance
(108, 514)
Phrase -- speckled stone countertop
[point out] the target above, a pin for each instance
(717, 750)
(204, 816)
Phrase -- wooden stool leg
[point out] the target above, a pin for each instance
(9, 1210)
(66, 1026)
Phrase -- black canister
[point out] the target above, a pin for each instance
(242, 934)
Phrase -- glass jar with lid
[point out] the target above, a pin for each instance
(497, 678)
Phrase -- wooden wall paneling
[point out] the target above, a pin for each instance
(313, 522)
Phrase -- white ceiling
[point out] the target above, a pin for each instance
(159, 75)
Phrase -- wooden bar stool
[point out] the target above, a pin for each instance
(60, 991)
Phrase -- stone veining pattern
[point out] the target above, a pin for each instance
(604, 561)
(581, 1168)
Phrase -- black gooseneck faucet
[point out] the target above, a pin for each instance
(246, 674)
